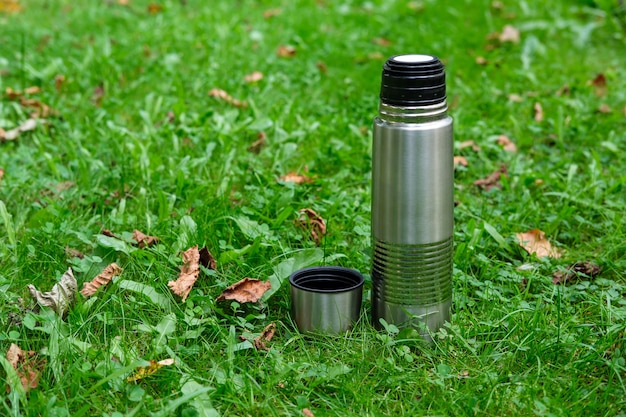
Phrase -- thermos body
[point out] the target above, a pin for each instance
(412, 214)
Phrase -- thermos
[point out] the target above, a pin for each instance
(412, 196)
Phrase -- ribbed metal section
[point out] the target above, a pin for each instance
(413, 274)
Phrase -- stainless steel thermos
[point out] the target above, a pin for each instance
(412, 196)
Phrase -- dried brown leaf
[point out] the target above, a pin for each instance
(154, 8)
(1, 174)
(492, 180)
(145, 371)
(258, 144)
(248, 290)
(307, 413)
(310, 220)
(253, 77)
(296, 178)
(189, 273)
(481, 60)
(535, 242)
(74, 253)
(60, 297)
(604, 109)
(509, 34)
(269, 13)
(286, 51)
(266, 336)
(10, 6)
(470, 144)
(322, 67)
(460, 160)
(515, 97)
(506, 143)
(13, 134)
(599, 85)
(576, 272)
(224, 96)
(538, 111)
(27, 366)
(32, 90)
(109, 233)
(206, 259)
(382, 41)
(102, 279)
(98, 95)
(143, 240)
(565, 90)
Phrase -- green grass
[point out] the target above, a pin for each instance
(517, 345)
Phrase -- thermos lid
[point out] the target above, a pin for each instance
(413, 80)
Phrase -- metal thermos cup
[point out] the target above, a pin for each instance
(412, 196)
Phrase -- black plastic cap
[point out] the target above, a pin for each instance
(413, 80)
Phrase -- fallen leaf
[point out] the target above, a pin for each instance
(515, 97)
(468, 144)
(307, 413)
(145, 371)
(535, 242)
(381, 42)
(258, 144)
(13, 134)
(506, 143)
(463, 374)
(98, 94)
(497, 6)
(286, 51)
(74, 253)
(109, 233)
(143, 240)
(123, 2)
(266, 336)
(460, 160)
(322, 67)
(271, 13)
(576, 272)
(1, 174)
(599, 85)
(509, 34)
(296, 178)
(154, 8)
(189, 273)
(60, 297)
(309, 219)
(10, 6)
(27, 366)
(481, 60)
(224, 96)
(59, 80)
(415, 6)
(538, 112)
(248, 290)
(40, 109)
(492, 180)
(565, 90)
(604, 108)
(103, 278)
(253, 77)
(32, 90)
(206, 259)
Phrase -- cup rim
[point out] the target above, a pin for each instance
(313, 271)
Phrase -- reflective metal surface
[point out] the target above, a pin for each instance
(326, 299)
(412, 216)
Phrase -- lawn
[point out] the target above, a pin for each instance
(218, 123)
